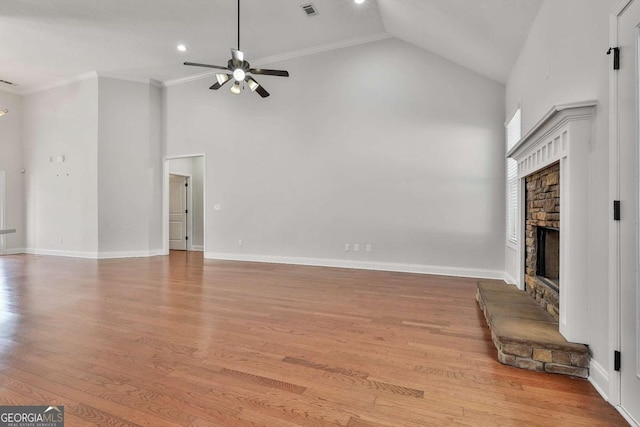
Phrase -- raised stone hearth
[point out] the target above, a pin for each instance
(526, 335)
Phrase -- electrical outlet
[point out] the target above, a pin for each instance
(368, 248)
(356, 247)
(347, 247)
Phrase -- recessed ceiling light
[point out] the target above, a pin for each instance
(181, 48)
(359, 1)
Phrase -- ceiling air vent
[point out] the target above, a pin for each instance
(6, 82)
(310, 9)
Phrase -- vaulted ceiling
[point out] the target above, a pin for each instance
(46, 42)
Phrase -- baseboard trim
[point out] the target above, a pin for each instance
(509, 279)
(197, 248)
(14, 251)
(361, 265)
(54, 252)
(130, 254)
(599, 378)
(92, 255)
(627, 416)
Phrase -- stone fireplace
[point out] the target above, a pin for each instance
(553, 222)
(542, 238)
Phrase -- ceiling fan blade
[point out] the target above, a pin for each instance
(195, 64)
(279, 73)
(254, 86)
(222, 80)
(237, 56)
(262, 91)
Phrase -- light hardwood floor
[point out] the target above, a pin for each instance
(184, 341)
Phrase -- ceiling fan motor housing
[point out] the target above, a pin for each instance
(245, 66)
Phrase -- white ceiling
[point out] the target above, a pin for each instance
(483, 35)
(46, 42)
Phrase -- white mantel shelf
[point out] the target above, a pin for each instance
(548, 118)
(563, 135)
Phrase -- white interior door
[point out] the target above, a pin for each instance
(178, 212)
(628, 122)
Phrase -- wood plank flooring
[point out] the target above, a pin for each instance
(182, 341)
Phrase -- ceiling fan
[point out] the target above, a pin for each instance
(240, 70)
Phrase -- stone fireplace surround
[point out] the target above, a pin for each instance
(562, 136)
(542, 209)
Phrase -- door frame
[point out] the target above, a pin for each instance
(615, 285)
(3, 199)
(165, 202)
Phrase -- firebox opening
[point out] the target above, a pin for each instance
(548, 256)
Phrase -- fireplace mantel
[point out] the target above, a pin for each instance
(563, 135)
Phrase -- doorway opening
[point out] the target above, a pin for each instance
(3, 247)
(180, 214)
(184, 204)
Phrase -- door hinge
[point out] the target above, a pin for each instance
(616, 210)
(186, 238)
(616, 57)
(616, 361)
(186, 211)
(186, 184)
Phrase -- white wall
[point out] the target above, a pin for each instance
(129, 168)
(564, 61)
(381, 144)
(105, 198)
(182, 166)
(11, 162)
(197, 191)
(61, 198)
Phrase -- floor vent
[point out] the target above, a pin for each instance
(310, 9)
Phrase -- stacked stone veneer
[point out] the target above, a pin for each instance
(526, 336)
(542, 210)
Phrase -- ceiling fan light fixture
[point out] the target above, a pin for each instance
(3, 112)
(236, 89)
(359, 1)
(253, 85)
(239, 74)
(222, 78)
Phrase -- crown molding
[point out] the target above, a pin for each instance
(81, 77)
(183, 80)
(59, 83)
(173, 82)
(321, 48)
(10, 89)
(152, 82)
(289, 55)
(620, 7)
